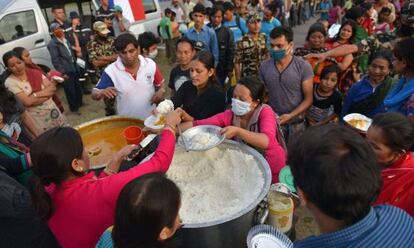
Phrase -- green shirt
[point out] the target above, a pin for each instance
(165, 28)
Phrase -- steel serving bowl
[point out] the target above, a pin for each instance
(190, 135)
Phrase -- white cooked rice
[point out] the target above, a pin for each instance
(215, 184)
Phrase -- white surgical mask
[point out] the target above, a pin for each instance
(153, 54)
(240, 108)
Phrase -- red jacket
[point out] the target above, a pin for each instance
(85, 206)
(398, 187)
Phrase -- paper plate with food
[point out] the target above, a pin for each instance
(157, 120)
(358, 121)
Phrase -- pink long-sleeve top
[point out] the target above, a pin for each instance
(85, 206)
(274, 153)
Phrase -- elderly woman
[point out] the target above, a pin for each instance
(315, 43)
(367, 96)
(249, 121)
(39, 105)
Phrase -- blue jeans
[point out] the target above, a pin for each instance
(73, 91)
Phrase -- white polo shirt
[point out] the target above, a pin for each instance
(134, 95)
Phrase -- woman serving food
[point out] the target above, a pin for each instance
(249, 121)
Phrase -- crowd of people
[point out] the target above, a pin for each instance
(234, 65)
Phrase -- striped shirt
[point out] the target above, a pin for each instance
(384, 226)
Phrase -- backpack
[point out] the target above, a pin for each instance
(238, 24)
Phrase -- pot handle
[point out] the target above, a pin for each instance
(262, 212)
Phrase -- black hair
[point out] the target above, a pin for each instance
(199, 8)
(385, 10)
(146, 40)
(353, 25)
(19, 51)
(228, 6)
(216, 9)
(123, 40)
(282, 31)
(8, 55)
(52, 154)
(256, 87)
(366, 6)
(55, 7)
(333, 68)
(144, 207)
(335, 2)
(8, 100)
(337, 171)
(403, 50)
(316, 27)
(167, 11)
(185, 40)
(383, 54)
(207, 59)
(396, 130)
(354, 13)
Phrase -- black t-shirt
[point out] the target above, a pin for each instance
(207, 104)
(178, 77)
(322, 106)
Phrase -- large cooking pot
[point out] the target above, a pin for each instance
(231, 231)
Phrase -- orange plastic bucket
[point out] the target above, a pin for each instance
(132, 135)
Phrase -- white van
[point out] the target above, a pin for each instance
(25, 23)
(22, 25)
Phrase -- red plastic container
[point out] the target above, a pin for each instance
(133, 135)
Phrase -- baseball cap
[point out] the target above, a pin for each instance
(73, 15)
(407, 12)
(54, 26)
(199, 45)
(116, 8)
(253, 18)
(101, 27)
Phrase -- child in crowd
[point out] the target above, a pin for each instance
(326, 99)
(13, 129)
(146, 214)
(324, 8)
(383, 26)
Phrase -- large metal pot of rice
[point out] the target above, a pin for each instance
(228, 230)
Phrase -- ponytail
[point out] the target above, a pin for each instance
(52, 154)
(41, 199)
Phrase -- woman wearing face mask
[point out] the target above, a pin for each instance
(401, 98)
(250, 121)
(202, 97)
(391, 135)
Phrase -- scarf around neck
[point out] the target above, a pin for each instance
(401, 93)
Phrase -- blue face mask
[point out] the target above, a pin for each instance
(278, 54)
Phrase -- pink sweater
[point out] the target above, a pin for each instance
(84, 207)
(274, 153)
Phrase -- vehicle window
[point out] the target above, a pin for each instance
(17, 25)
(149, 6)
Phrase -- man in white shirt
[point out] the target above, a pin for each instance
(178, 9)
(131, 79)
